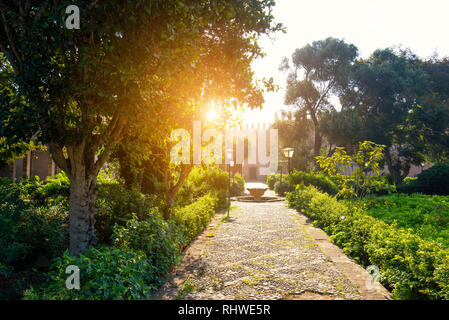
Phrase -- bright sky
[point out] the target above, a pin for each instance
(421, 26)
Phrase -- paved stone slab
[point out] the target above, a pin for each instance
(266, 251)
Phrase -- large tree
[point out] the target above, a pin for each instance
(80, 91)
(384, 92)
(318, 71)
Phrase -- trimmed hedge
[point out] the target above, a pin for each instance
(317, 180)
(290, 181)
(196, 216)
(412, 267)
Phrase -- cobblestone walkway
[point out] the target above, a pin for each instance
(262, 252)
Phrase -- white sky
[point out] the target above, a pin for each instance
(421, 26)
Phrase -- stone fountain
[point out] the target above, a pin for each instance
(257, 195)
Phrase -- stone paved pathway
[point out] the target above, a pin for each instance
(264, 251)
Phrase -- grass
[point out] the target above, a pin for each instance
(427, 215)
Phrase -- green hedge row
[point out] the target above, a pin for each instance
(196, 216)
(289, 182)
(413, 268)
(142, 255)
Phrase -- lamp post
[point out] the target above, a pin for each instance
(229, 156)
(288, 153)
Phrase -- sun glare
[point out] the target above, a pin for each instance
(212, 115)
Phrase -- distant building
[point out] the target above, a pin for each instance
(251, 170)
(34, 163)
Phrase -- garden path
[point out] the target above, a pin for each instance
(266, 251)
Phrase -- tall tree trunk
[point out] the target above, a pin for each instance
(82, 207)
(396, 169)
(317, 142)
(171, 188)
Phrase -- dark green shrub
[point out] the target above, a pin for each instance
(105, 273)
(282, 187)
(434, 180)
(237, 185)
(202, 181)
(196, 216)
(318, 180)
(29, 236)
(411, 266)
(116, 205)
(161, 241)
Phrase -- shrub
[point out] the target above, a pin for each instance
(282, 187)
(412, 266)
(105, 273)
(434, 180)
(237, 185)
(161, 241)
(202, 181)
(116, 205)
(318, 180)
(196, 216)
(29, 236)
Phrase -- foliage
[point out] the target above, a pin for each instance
(412, 267)
(319, 180)
(273, 178)
(105, 273)
(362, 179)
(32, 231)
(427, 216)
(133, 69)
(237, 185)
(196, 216)
(325, 67)
(434, 180)
(281, 187)
(383, 93)
(295, 132)
(117, 204)
(201, 181)
(161, 241)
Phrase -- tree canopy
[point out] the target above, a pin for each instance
(130, 68)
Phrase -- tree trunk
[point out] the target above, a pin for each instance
(82, 210)
(171, 189)
(317, 142)
(395, 168)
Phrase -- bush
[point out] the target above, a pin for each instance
(196, 216)
(161, 241)
(282, 187)
(116, 205)
(105, 273)
(318, 180)
(411, 266)
(434, 180)
(237, 185)
(202, 181)
(30, 236)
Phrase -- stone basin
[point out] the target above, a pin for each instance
(257, 193)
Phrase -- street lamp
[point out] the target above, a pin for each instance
(229, 156)
(288, 153)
